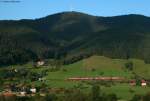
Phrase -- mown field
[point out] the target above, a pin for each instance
(100, 66)
(97, 66)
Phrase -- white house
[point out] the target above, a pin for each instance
(23, 93)
(33, 90)
(42, 79)
(40, 63)
(143, 83)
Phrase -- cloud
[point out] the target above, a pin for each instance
(10, 1)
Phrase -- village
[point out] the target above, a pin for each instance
(22, 90)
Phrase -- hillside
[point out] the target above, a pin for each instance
(94, 66)
(97, 66)
(74, 35)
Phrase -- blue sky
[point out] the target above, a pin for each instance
(31, 9)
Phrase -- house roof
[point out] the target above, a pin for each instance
(8, 94)
(132, 81)
(143, 81)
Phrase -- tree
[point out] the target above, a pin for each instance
(2, 98)
(75, 95)
(112, 97)
(50, 97)
(95, 92)
(136, 98)
(129, 65)
(146, 97)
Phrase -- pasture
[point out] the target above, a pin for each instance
(96, 66)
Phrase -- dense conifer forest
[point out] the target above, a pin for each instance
(71, 36)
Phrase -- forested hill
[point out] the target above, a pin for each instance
(74, 35)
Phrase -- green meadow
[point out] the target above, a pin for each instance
(97, 66)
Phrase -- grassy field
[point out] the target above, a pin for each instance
(102, 66)
(96, 66)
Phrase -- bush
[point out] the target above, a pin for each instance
(93, 69)
(146, 97)
(64, 70)
(112, 97)
(136, 98)
(129, 65)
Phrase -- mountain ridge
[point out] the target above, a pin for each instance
(74, 35)
(75, 12)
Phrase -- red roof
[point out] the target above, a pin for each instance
(133, 81)
(8, 94)
(143, 81)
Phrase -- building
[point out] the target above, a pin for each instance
(8, 94)
(40, 63)
(133, 82)
(143, 83)
(42, 79)
(33, 90)
(7, 88)
(23, 93)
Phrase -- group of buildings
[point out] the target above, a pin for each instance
(142, 83)
(18, 91)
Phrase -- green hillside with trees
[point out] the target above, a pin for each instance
(94, 66)
(72, 36)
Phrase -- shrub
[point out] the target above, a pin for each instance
(129, 65)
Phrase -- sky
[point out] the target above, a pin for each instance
(32, 9)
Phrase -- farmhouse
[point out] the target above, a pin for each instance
(23, 93)
(42, 79)
(143, 83)
(8, 94)
(40, 63)
(133, 82)
(7, 88)
(33, 90)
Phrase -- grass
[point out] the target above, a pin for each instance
(103, 67)
(125, 91)
(141, 68)
(92, 67)
(98, 66)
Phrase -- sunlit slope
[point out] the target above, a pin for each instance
(101, 66)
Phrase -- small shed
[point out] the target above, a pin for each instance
(133, 82)
(40, 63)
(8, 94)
(143, 83)
(23, 93)
(33, 90)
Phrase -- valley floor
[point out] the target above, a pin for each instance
(96, 66)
